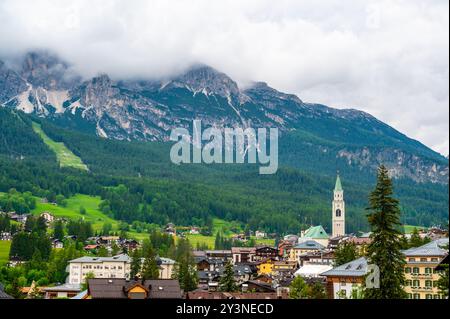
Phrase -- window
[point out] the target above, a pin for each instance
(416, 283)
(429, 296)
(428, 270)
(416, 270)
(408, 282)
(412, 259)
(407, 270)
(437, 297)
(428, 283)
(434, 259)
(416, 296)
(410, 296)
(423, 259)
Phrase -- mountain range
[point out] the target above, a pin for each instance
(146, 110)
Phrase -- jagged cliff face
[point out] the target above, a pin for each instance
(148, 110)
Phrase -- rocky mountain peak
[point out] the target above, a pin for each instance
(208, 80)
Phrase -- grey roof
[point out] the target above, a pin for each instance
(355, 268)
(434, 248)
(64, 287)
(87, 259)
(81, 295)
(309, 244)
(3, 294)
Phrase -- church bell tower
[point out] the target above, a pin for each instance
(338, 209)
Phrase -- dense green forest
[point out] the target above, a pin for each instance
(137, 181)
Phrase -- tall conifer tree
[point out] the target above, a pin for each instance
(385, 249)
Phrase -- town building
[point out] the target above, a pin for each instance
(131, 289)
(243, 254)
(338, 210)
(49, 218)
(63, 291)
(265, 252)
(304, 247)
(265, 267)
(344, 280)
(316, 233)
(101, 267)
(420, 269)
(224, 255)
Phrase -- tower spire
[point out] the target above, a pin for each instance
(338, 186)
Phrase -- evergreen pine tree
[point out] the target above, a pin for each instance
(298, 289)
(227, 282)
(136, 263)
(385, 249)
(150, 269)
(58, 231)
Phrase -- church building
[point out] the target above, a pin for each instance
(338, 217)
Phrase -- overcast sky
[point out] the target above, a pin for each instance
(389, 58)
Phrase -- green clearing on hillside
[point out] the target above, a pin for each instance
(65, 157)
(4, 251)
(227, 229)
(72, 210)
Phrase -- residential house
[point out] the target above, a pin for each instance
(243, 254)
(224, 255)
(284, 248)
(322, 257)
(265, 267)
(304, 247)
(343, 280)
(57, 244)
(257, 286)
(420, 269)
(6, 236)
(63, 291)
(115, 288)
(166, 267)
(264, 252)
(260, 234)
(20, 218)
(49, 218)
(194, 230)
(170, 229)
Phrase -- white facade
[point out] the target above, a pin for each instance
(101, 267)
(111, 267)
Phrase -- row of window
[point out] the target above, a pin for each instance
(427, 296)
(416, 283)
(416, 270)
(101, 267)
(432, 259)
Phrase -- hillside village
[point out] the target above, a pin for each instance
(330, 266)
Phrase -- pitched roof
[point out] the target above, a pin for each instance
(338, 186)
(309, 244)
(100, 288)
(355, 268)
(434, 248)
(87, 259)
(3, 294)
(316, 232)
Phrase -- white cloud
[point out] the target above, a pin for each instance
(389, 58)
